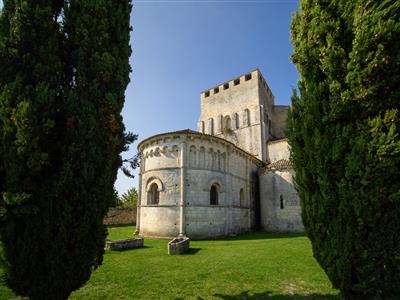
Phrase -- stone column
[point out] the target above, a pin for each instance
(139, 202)
(182, 227)
(228, 191)
(263, 133)
(248, 195)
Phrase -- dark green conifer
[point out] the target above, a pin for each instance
(64, 70)
(344, 132)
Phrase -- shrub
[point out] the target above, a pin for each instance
(64, 70)
(344, 133)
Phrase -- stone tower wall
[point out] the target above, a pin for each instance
(243, 112)
(235, 110)
(160, 163)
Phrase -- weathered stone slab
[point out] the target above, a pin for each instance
(178, 245)
(124, 244)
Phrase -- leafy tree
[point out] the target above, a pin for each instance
(129, 199)
(115, 200)
(344, 132)
(64, 70)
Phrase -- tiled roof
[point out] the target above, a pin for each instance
(281, 164)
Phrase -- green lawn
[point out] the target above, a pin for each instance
(250, 266)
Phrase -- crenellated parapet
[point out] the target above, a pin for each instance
(238, 82)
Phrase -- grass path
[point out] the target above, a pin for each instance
(251, 266)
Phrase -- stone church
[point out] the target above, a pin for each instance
(232, 175)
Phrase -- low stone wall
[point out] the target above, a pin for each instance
(120, 216)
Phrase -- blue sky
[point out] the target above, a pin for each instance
(183, 47)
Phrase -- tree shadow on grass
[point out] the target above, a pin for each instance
(270, 295)
(260, 235)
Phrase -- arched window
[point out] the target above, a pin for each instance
(241, 195)
(153, 194)
(214, 195)
(281, 201)
(227, 124)
(175, 151)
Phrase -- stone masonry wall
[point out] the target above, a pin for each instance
(231, 174)
(278, 150)
(233, 111)
(208, 161)
(161, 165)
(120, 216)
(280, 207)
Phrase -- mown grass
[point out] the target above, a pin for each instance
(250, 266)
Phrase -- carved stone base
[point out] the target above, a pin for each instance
(178, 245)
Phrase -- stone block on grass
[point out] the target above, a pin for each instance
(124, 244)
(178, 245)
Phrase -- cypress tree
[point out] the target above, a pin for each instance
(344, 133)
(64, 70)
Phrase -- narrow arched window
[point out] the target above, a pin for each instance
(241, 195)
(214, 195)
(154, 194)
(281, 201)
(227, 124)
